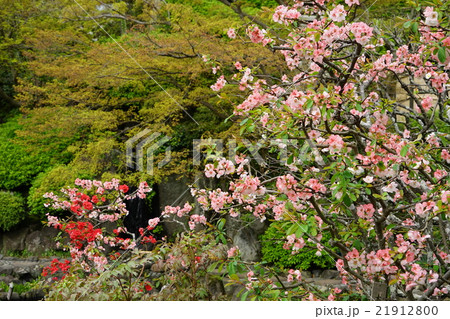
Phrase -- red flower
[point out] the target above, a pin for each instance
(75, 209)
(95, 199)
(148, 287)
(88, 205)
(84, 197)
(124, 188)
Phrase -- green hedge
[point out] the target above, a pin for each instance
(12, 210)
(272, 251)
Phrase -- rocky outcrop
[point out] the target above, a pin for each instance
(35, 239)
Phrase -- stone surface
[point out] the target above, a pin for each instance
(38, 241)
(330, 274)
(15, 240)
(245, 236)
(22, 268)
(174, 192)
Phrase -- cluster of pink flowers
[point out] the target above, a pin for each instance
(196, 219)
(365, 211)
(224, 167)
(362, 32)
(285, 15)
(220, 83)
(293, 243)
(258, 35)
(231, 33)
(291, 273)
(233, 251)
(431, 17)
(180, 212)
(373, 167)
(335, 144)
(338, 14)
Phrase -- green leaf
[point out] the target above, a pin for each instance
(290, 159)
(304, 228)
(231, 269)
(347, 201)
(212, 266)
(234, 277)
(404, 150)
(299, 233)
(244, 121)
(309, 104)
(415, 27)
(407, 24)
(220, 224)
(389, 227)
(441, 55)
(292, 229)
(358, 244)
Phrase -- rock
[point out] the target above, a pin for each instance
(330, 274)
(8, 279)
(306, 274)
(245, 236)
(22, 268)
(316, 272)
(15, 240)
(14, 296)
(41, 240)
(174, 192)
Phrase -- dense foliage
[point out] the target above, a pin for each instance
(273, 250)
(12, 210)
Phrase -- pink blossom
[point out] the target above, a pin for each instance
(335, 144)
(233, 251)
(427, 103)
(338, 14)
(406, 133)
(209, 171)
(362, 32)
(391, 188)
(431, 17)
(196, 219)
(220, 83)
(297, 273)
(439, 174)
(256, 35)
(365, 211)
(153, 222)
(368, 179)
(352, 2)
(445, 155)
(231, 33)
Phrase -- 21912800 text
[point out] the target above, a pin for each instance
(407, 310)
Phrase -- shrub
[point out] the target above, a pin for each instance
(52, 180)
(18, 166)
(272, 242)
(12, 209)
